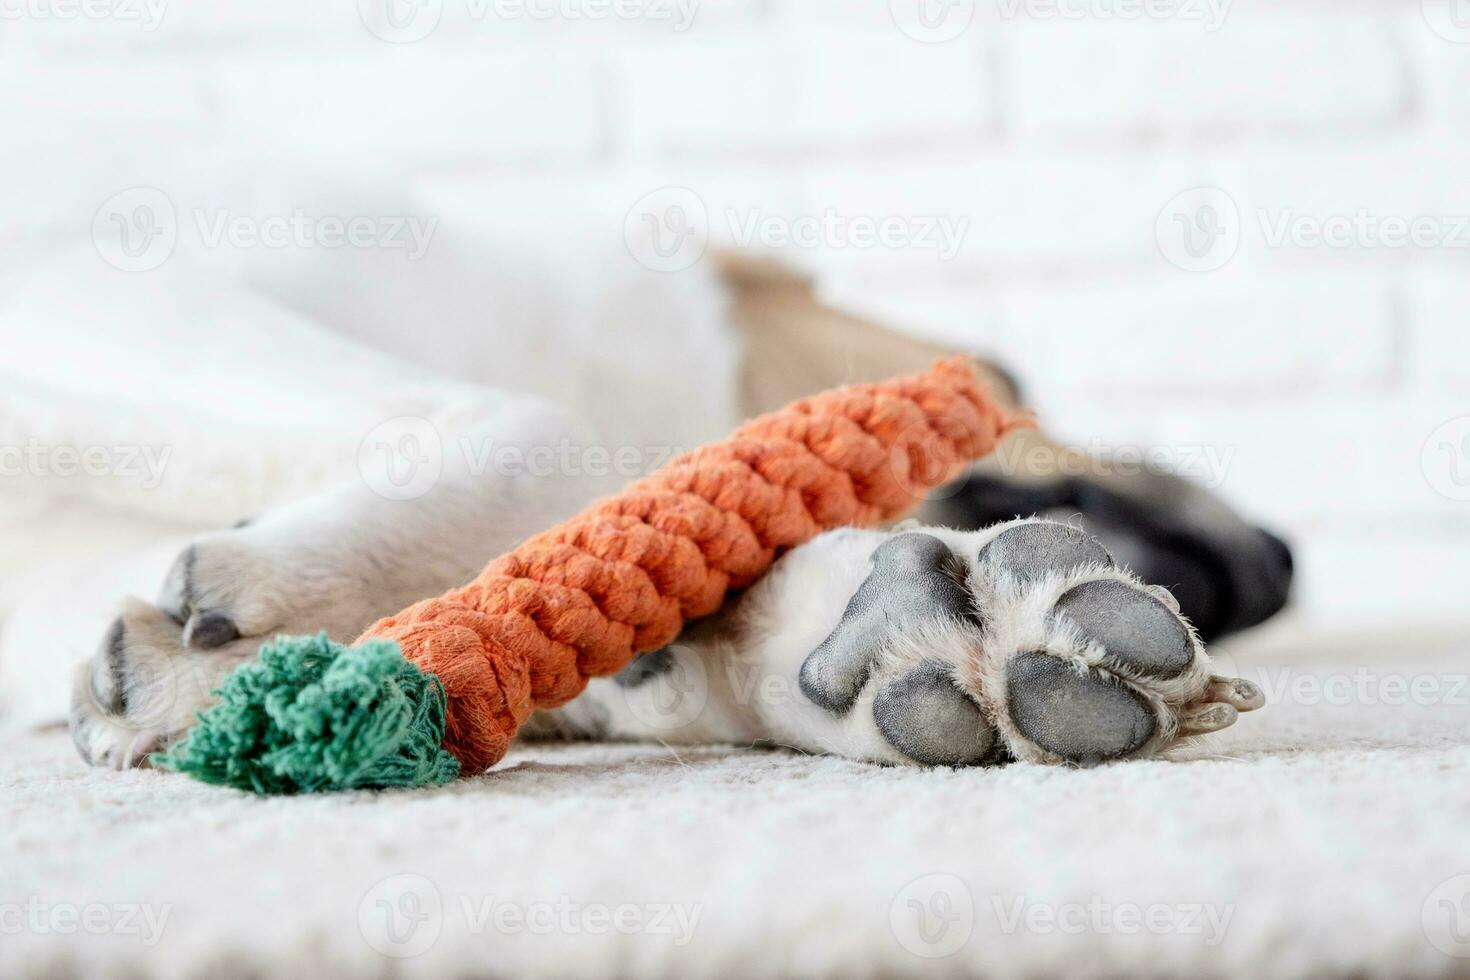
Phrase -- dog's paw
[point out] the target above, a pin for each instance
(143, 686)
(224, 595)
(228, 585)
(1026, 642)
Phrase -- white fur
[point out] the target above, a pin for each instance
(191, 359)
(737, 677)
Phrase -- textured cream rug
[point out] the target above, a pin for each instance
(1327, 835)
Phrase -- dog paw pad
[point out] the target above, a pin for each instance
(1084, 718)
(926, 717)
(1033, 550)
(912, 582)
(1135, 628)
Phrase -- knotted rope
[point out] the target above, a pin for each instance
(622, 577)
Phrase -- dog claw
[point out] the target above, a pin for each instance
(209, 629)
(1206, 719)
(1237, 692)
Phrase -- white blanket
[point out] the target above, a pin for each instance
(1316, 838)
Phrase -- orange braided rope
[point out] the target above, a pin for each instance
(621, 578)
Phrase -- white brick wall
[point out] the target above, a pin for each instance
(1251, 76)
(1056, 140)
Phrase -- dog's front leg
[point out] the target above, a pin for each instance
(334, 562)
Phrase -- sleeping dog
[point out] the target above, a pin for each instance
(1023, 615)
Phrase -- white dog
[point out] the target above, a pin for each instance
(402, 419)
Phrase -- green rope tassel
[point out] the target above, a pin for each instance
(313, 716)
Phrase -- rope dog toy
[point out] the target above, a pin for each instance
(440, 688)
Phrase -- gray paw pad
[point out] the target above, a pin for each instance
(910, 584)
(645, 667)
(1031, 551)
(1082, 718)
(930, 720)
(1135, 628)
